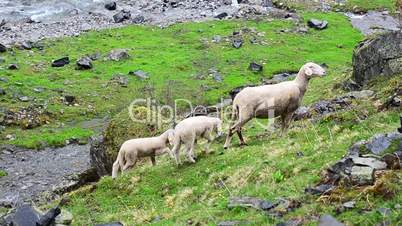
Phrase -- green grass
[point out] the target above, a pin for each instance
(347, 5)
(3, 173)
(173, 57)
(366, 5)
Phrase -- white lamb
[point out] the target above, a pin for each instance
(189, 130)
(266, 101)
(133, 149)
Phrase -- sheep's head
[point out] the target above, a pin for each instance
(170, 136)
(313, 70)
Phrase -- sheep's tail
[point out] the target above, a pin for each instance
(118, 164)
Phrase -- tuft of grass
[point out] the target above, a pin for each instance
(3, 173)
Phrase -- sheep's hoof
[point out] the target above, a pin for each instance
(225, 147)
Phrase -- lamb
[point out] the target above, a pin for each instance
(270, 101)
(133, 149)
(187, 132)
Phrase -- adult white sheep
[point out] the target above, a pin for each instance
(133, 149)
(267, 101)
(189, 130)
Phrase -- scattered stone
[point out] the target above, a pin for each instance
(139, 74)
(255, 203)
(69, 99)
(64, 218)
(138, 19)
(379, 143)
(362, 175)
(380, 56)
(120, 79)
(299, 154)
(328, 220)
(61, 62)
(222, 15)
(95, 56)
(277, 78)
(3, 79)
(291, 222)
(302, 112)
(371, 162)
(27, 45)
(215, 74)
(320, 189)
(24, 216)
(2, 92)
(11, 137)
(118, 54)
(317, 24)
(13, 67)
(229, 223)
(349, 205)
(111, 6)
(3, 48)
(216, 38)
(237, 43)
(84, 63)
(24, 98)
(38, 89)
(121, 16)
(385, 212)
(255, 67)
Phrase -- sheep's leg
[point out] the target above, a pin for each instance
(286, 118)
(240, 135)
(190, 150)
(175, 152)
(130, 163)
(115, 169)
(208, 137)
(153, 160)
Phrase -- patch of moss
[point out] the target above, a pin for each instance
(3, 173)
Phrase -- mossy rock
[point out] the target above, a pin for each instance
(121, 128)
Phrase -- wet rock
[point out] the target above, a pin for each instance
(349, 205)
(3, 48)
(380, 56)
(118, 55)
(24, 216)
(13, 67)
(139, 74)
(110, 224)
(328, 220)
(237, 43)
(111, 6)
(317, 24)
(373, 22)
(61, 62)
(140, 19)
(121, 16)
(255, 67)
(371, 162)
(320, 189)
(64, 218)
(120, 80)
(49, 218)
(362, 175)
(69, 99)
(222, 15)
(252, 202)
(84, 63)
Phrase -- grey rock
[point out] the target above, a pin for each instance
(371, 162)
(381, 142)
(111, 6)
(27, 45)
(237, 43)
(139, 74)
(61, 62)
(302, 112)
(373, 22)
(317, 24)
(380, 56)
(24, 216)
(99, 158)
(320, 189)
(38, 89)
(328, 220)
(64, 218)
(216, 38)
(110, 224)
(84, 63)
(121, 16)
(3, 48)
(95, 56)
(291, 222)
(384, 211)
(118, 54)
(362, 175)
(139, 19)
(252, 202)
(349, 205)
(3, 79)
(49, 218)
(254, 67)
(2, 92)
(364, 94)
(24, 98)
(120, 79)
(229, 223)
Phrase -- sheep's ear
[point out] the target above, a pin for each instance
(308, 71)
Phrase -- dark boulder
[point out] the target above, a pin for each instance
(121, 16)
(111, 6)
(69, 99)
(317, 24)
(254, 67)
(138, 19)
(139, 74)
(49, 218)
(380, 56)
(3, 48)
(24, 216)
(237, 43)
(13, 67)
(84, 63)
(61, 62)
